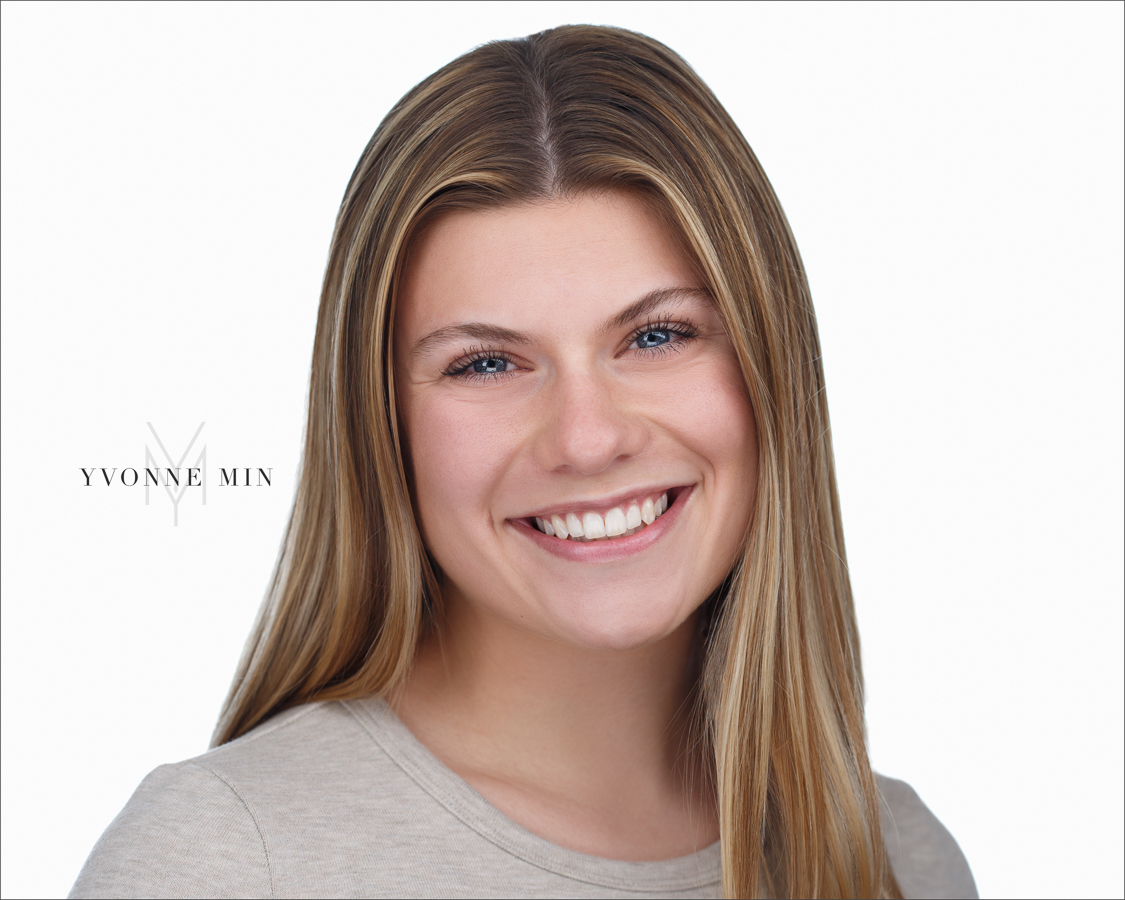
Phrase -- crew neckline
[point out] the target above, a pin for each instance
(388, 731)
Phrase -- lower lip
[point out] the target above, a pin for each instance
(612, 548)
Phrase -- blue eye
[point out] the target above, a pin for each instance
(657, 337)
(489, 365)
(481, 365)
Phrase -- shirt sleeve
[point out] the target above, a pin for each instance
(185, 832)
(924, 856)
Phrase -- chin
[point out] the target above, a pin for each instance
(617, 627)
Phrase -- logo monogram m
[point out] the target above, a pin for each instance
(200, 462)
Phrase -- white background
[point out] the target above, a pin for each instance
(953, 174)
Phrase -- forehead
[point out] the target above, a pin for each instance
(587, 255)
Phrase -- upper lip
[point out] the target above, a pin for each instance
(599, 504)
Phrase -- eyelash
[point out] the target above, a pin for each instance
(459, 368)
(682, 332)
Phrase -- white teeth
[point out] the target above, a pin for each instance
(615, 522)
(632, 518)
(591, 526)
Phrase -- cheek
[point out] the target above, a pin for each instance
(458, 454)
(711, 414)
(716, 423)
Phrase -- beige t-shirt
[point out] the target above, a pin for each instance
(339, 799)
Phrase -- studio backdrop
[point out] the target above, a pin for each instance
(953, 175)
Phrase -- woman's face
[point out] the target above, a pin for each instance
(560, 368)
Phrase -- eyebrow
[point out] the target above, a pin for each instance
(482, 331)
(652, 301)
(478, 331)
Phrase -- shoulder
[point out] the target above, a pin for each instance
(926, 859)
(195, 828)
(183, 833)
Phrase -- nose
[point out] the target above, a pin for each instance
(588, 426)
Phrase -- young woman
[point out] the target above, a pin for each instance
(562, 608)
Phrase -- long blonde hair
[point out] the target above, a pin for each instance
(575, 109)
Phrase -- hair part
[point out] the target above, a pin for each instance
(572, 110)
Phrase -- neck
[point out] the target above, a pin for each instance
(534, 724)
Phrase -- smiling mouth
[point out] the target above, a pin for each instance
(620, 521)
